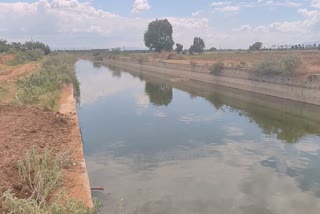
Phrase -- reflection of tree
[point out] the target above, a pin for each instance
(116, 72)
(160, 95)
(216, 99)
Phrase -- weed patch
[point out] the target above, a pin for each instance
(217, 68)
(42, 174)
(43, 88)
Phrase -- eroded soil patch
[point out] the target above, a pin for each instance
(22, 128)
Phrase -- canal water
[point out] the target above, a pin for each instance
(167, 145)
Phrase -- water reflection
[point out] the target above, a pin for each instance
(163, 146)
(159, 94)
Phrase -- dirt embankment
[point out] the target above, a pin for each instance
(22, 128)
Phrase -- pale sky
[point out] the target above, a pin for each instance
(78, 24)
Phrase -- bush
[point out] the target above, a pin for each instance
(43, 87)
(268, 67)
(287, 65)
(290, 64)
(42, 175)
(29, 55)
(217, 68)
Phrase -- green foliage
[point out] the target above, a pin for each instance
(29, 55)
(158, 36)
(42, 174)
(44, 87)
(213, 49)
(256, 46)
(287, 65)
(291, 64)
(198, 45)
(216, 68)
(3, 46)
(179, 48)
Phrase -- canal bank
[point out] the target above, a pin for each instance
(233, 78)
(77, 181)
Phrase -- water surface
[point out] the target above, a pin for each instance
(172, 146)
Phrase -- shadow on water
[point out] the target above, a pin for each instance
(288, 120)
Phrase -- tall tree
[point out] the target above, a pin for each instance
(256, 46)
(198, 45)
(158, 36)
(179, 48)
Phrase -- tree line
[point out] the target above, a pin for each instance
(158, 37)
(5, 46)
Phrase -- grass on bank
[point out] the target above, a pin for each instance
(285, 66)
(23, 57)
(43, 87)
(43, 175)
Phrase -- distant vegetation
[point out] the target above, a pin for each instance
(24, 52)
(197, 46)
(256, 46)
(179, 48)
(17, 46)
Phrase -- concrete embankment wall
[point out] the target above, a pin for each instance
(78, 185)
(239, 80)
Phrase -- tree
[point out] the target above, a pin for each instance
(213, 49)
(256, 46)
(179, 48)
(3, 45)
(198, 45)
(158, 36)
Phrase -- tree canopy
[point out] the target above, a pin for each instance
(158, 36)
(30, 45)
(256, 46)
(198, 45)
(179, 48)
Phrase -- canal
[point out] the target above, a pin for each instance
(159, 144)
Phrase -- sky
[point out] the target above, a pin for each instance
(85, 24)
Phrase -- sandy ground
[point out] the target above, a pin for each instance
(17, 71)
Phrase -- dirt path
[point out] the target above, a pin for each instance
(18, 71)
(77, 181)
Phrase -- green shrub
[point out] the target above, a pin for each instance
(23, 57)
(268, 67)
(287, 65)
(42, 175)
(290, 64)
(44, 86)
(217, 68)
